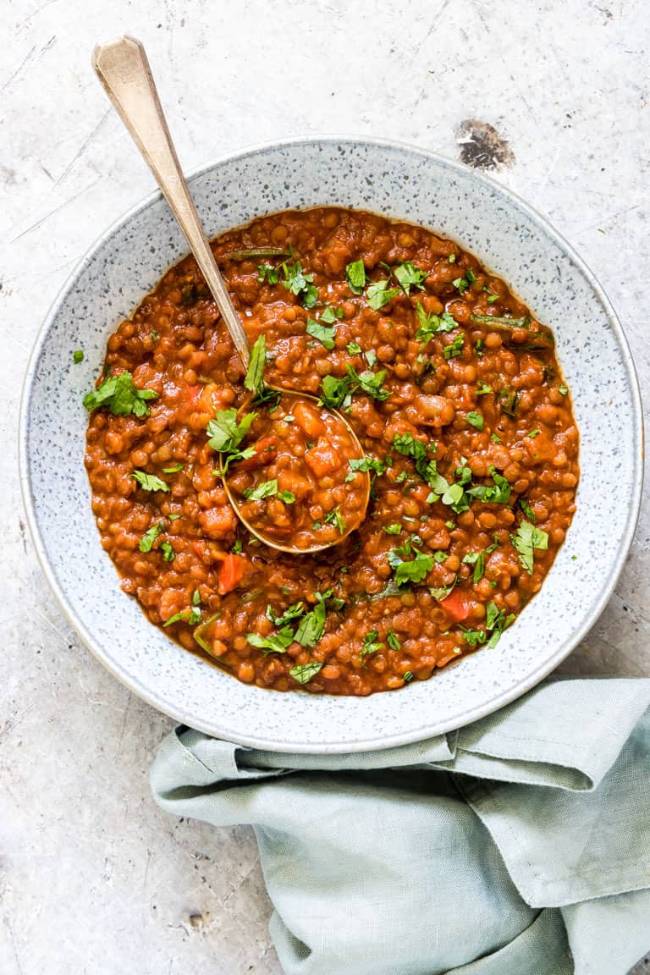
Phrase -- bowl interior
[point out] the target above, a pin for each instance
(401, 182)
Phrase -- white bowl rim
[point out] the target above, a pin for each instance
(492, 703)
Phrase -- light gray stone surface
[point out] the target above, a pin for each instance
(93, 878)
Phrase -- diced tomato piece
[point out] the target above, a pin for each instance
(308, 419)
(190, 394)
(322, 459)
(456, 605)
(265, 450)
(231, 572)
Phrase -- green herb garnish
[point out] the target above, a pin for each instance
(324, 333)
(266, 489)
(254, 380)
(431, 324)
(475, 419)
(365, 465)
(379, 294)
(267, 272)
(291, 613)
(371, 643)
(77, 356)
(149, 482)
(527, 538)
(226, 433)
(497, 493)
(393, 640)
(408, 276)
(168, 552)
(191, 616)
(356, 276)
(300, 284)
(119, 395)
(146, 542)
(275, 643)
(454, 348)
(303, 673)
(336, 518)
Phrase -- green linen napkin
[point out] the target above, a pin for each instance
(519, 845)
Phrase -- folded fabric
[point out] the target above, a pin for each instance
(519, 845)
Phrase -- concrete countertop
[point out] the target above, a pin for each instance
(93, 877)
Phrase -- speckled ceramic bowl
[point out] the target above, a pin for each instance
(399, 181)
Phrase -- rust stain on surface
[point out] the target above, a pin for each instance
(481, 146)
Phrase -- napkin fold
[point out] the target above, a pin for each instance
(519, 845)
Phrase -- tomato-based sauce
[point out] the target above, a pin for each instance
(455, 395)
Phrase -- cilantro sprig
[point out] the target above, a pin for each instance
(526, 539)
(226, 433)
(431, 325)
(337, 391)
(120, 396)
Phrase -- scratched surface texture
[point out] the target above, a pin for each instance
(551, 96)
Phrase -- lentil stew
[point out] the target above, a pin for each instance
(455, 394)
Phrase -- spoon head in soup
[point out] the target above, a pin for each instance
(305, 485)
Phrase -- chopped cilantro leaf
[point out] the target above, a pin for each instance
(149, 482)
(119, 395)
(267, 489)
(475, 419)
(483, 388)
(173, 469)
(300, 284)
(371, 357)
(365, 464)
(454, 348)
(413, 571)
(393, 640)
(393, 529)
(191, 616)
(331, 315)
(336, 518)
(527, 538)
(254, 380)
(371, 643)
(408, 276)
(267, 272)
(226, 433)
(275, 643)
(356, 276)
(379, 294)
(146, 542)
(324, 333)
(354, 348)
(497, 493)
(431, 324)
(168, 552)
(291, 613)
(303, 673)
(527, 510)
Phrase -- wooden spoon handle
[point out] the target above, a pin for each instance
(123, 69)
